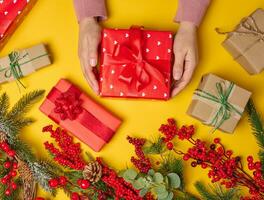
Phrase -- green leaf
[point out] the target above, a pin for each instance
(156, 147)
(169, 197)
(130, 175)
(4, 104)
(158, 178)
(174, 179)
(161, 192)
(139, 183)
(143, 192)
(151, 172)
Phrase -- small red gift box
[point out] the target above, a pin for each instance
(136, 63)
(12, 13)
(76, 112)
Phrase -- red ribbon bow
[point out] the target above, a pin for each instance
(68, 106)
(135, 66)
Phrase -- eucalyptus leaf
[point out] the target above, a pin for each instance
(143, 192)
(158, 178)
(139, 183)
(130, 175)
(169, 197)
(161, 192)
(151, 172)
(174, 179)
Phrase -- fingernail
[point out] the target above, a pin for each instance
(177, 75)
(93, 62)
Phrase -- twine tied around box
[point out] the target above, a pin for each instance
(225, 107)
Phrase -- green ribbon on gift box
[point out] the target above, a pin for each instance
(14, 69)
(225, 109)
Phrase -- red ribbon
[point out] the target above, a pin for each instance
(136, 67)
(68, 105)
(85, 118)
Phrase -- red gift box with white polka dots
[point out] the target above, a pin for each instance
(12, 13)
(136, 63)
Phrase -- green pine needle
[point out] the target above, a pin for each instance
(4, 104)
(256, 123)
(156, 147)
(23, 105)
(217, 192)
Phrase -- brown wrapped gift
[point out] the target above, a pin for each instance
(23, 62)
(246, 42)
(218, 103)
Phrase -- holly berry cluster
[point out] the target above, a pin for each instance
(69, 155)
(122, 189)
(170, 131)
(142, 163)
(223, 166)
(10, 168)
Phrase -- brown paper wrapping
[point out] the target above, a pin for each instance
(204, 110)
(247, 46)
(37, 55)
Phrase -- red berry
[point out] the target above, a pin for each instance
(4, 181)
(4, 146)
(7, 164)
(170, 145)
(8, 192)
(15, 165)
(39, 198)
(217, 140)
(229, 153)
(186, 157)
(204, 165)
(14, 186)
(11, 153)
(194, 164)
(85, 184)
(75, 196)
(250, 159)
(79, 182)
(53, 183)
(13, 173)
(63, 180)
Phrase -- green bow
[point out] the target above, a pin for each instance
(225, 110)
(14, 69)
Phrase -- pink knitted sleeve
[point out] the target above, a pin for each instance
(90, 8)
(191, 10)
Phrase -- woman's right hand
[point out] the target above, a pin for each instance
(89, 39)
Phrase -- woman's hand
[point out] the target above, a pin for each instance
(89, 39)
(186, 56)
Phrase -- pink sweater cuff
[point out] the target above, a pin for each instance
(191, 11)
(90, 8)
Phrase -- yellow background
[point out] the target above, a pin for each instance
(53, 22)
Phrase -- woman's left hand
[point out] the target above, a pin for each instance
(186, 56)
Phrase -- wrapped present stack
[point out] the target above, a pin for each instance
(246, 42)
(73, 110)
(218, 103)
(23, 62)
(12, 13)
(136, 63)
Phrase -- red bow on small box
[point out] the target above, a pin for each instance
(68, 106)
(135, 67)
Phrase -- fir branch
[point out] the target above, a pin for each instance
(217, 192)
(170, 164)
(256, 123)
(23, 105)
(42, 175)
(23, 150)
(156, 147)
(4, 104)
(261, 157)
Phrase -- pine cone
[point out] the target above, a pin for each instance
(29, 185)
(2, 136)
(93, 172)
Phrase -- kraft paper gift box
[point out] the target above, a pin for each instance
(246, 42)
(73, 110)
(218, 103)
(12, 13)
(136, 63)
(23, 62)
